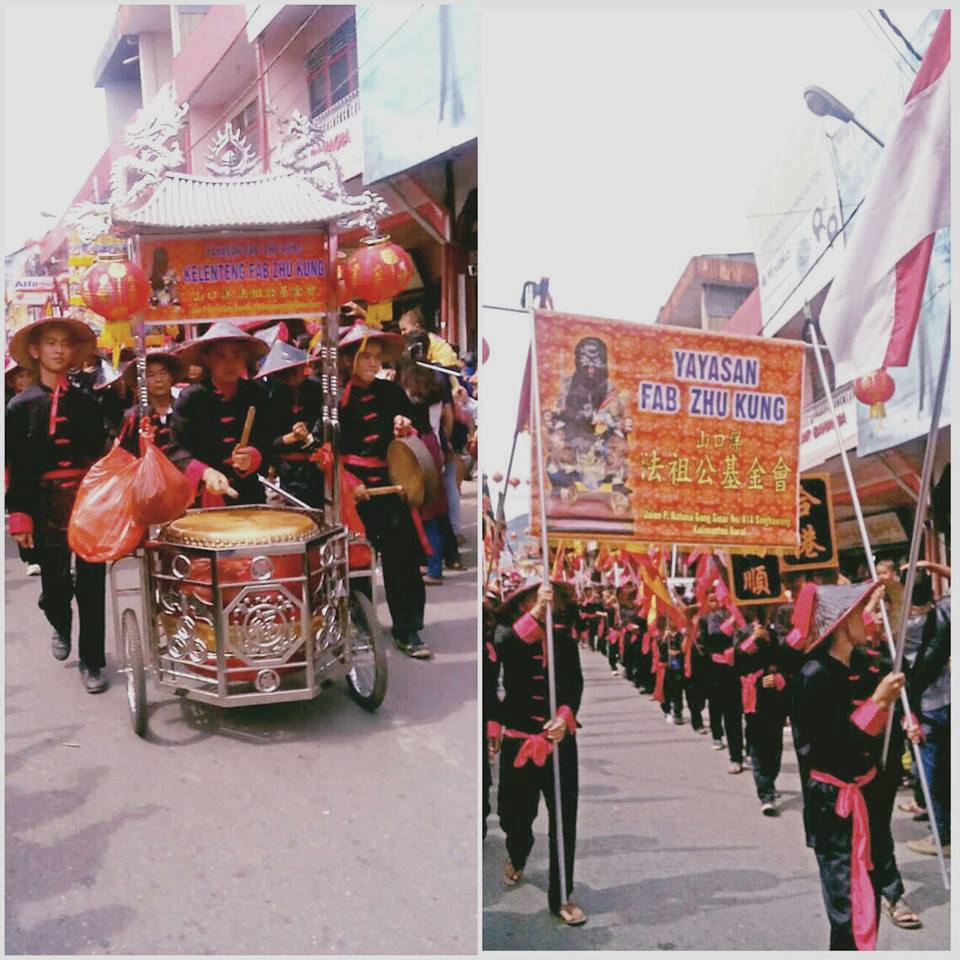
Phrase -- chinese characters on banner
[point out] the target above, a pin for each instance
(818, 540)
(667, 435)
(756, 579)
(198, 278)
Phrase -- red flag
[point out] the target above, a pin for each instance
(523, 409)
(870, 314)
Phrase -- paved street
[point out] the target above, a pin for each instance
(673, 852)
(289, 829)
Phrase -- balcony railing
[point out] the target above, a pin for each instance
(339, 113)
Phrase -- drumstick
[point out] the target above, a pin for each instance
(248, 426)
(382, 491)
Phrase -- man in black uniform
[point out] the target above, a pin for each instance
(841, 712)
(373, 412)
(726, 712)
(163, 369)
(209, 417)
(758, 659)
(55, 432)
(295, 406)
(525, 734)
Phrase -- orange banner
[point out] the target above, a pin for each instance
(667, 435)
(201, 278)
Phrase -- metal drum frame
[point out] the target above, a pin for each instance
(271, 644)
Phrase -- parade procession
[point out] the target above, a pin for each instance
(239, 490)
(676, 553)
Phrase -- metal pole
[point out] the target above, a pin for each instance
(814, 334)
(545, 555)
(919, 520)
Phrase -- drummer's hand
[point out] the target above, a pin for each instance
(555, 729)
(300, 431)
(242, 459)
(544, 597)
(402, 427)
(216, 482)
(769, 681)
(25, 539)
(360, 492)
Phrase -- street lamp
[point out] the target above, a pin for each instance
(825, 104)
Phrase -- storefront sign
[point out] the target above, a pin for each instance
(666, 435)
(818, 438)
(882, 528)
(199, 278)
(818, 539)
(756, 579)
(32, 291)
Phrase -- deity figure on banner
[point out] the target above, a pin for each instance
(586, 434)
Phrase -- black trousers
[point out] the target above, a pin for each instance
(643, 677)
(487, 783)
(613, 650)
(726, 713)
(832, 848)
(887, 873)
(518, 798)
(694, 694)
(672, 693)
(390, 529)
(765, 730)
(57, 590)
(631, 647)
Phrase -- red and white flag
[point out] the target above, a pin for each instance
(871, 311)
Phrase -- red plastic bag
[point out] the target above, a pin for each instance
(102, 526)
(161, 493)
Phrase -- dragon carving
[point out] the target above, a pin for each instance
(302, 151)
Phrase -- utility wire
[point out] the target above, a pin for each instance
(870, 29)
(295, 76)
(893, 46)
(810, 269)
(896, 30)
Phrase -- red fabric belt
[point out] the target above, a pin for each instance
(64, 473)
(352, 460)
(850, 802)
(536, 747)
(296, 457)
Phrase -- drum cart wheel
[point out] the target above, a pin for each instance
(135, 673)
(367, 679)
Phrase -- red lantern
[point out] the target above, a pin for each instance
(514, 482)
(875, 389)
(497, 477)
(115, 288)
(378, 270)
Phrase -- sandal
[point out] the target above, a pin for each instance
(911, 807)
(571, 914)
(902, 915)
(511, 876)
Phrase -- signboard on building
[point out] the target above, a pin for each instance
(818, 438)
(203, 278)
(818, 538)
(419, 79)
(667, 435)
(31, 291)
(793, 217)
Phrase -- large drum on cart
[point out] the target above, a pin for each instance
(253, 604)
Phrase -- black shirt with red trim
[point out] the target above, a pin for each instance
(288, 407)
(74, 440)
(366, 425)
(526, 702)
(207, 426)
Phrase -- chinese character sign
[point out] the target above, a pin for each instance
(818, 541)
(667, 435)
(198, 278)
(756, 579)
